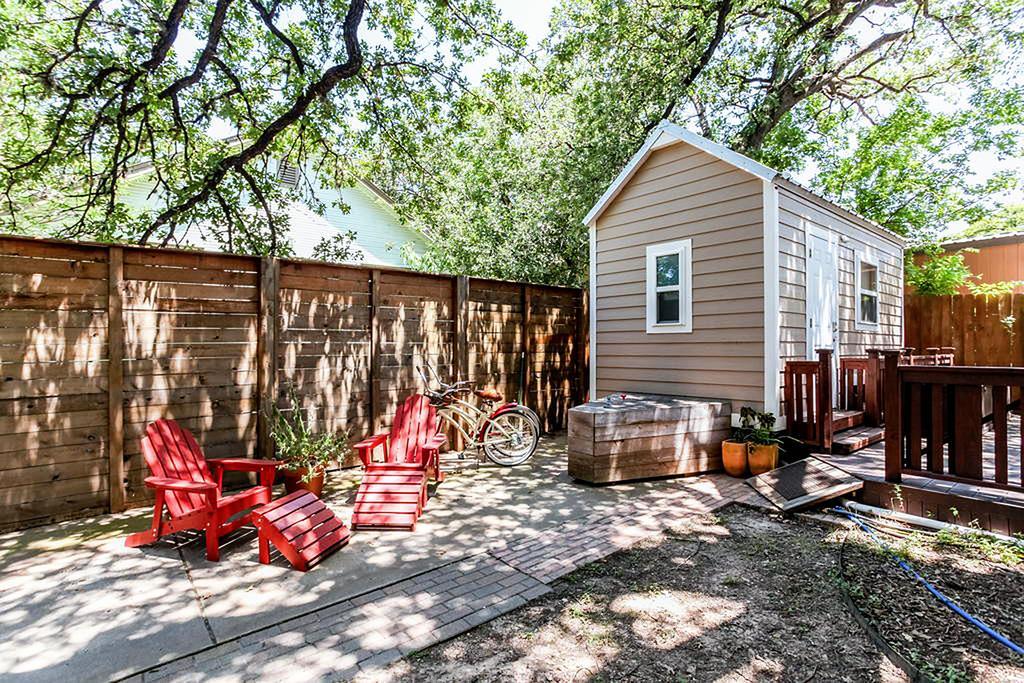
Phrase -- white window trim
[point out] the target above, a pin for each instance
(870, 260)
(685, 250)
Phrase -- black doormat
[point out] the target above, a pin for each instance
(804, 483)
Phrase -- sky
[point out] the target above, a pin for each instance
(530, 16)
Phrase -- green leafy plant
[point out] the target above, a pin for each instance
(340, 248)
(939, 274)
(299, 445)
(755, 428)
(989, 289)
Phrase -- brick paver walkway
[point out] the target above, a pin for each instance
(369, 631)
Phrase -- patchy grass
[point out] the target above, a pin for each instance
(740, 596)
(984, 575)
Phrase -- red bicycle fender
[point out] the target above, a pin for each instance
(503, 408)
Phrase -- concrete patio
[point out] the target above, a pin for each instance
(75, 604)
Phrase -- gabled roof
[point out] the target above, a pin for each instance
(667, 133)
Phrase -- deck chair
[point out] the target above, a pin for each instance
(393, 491)
(413, 442)
(189, 485)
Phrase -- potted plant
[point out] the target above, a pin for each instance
(752, 446)
(304, 453)
(734, 454)
(762, 446)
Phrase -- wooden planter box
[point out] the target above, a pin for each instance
(646, 436)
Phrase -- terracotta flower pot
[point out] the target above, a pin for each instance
(734, 457)
(763, 458)
(293, 481)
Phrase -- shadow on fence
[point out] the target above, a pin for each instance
(97, 341)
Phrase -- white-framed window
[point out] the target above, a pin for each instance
(867, 276)
(669, 287)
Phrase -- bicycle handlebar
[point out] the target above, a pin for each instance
(446, 388)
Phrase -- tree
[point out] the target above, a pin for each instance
(939, 273)
(92, 89)
(340, 248)
(505, 190)
(911, 171)
(1008, 218)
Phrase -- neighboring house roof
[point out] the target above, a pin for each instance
(984, 240)
(667, 133)
(380, 233)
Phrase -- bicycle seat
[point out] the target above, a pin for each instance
(489, 394)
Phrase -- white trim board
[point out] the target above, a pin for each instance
(592, 313)
(772, 351)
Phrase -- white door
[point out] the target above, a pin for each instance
(822, 293)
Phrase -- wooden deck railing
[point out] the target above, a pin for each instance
(861, 382)
(854, 372)
(935, 419)
(808, 399)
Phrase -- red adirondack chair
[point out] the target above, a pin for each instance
(189, 485)
(413, 442)
(394, 491)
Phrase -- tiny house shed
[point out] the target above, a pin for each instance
(709, 270)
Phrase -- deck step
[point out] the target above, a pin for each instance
(846, 419)
(852, 440)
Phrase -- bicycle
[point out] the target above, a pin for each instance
(508, 435)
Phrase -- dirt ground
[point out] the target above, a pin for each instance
(985, 577)
(738, 597)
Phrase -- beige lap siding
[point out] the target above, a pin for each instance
(796, 211)
(680, 192)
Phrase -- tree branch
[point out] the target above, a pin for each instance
(315, 91)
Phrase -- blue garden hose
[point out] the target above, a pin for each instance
(905, 566)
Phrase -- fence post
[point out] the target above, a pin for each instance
(374, 385)
(115, 378)
(893, 417)
(582, 349)
(825, 398)
(460, 314)
(526, 354)
(266, 353)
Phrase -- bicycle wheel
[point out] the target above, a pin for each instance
(511, 437)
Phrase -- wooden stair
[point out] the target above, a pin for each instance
(846, 419)
(855, 438)
(849, 434)
(389, 499)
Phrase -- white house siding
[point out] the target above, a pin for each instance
(681, 192)
(380, 234)
(797, 210)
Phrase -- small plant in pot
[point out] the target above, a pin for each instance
(304, 453)
(753, 446)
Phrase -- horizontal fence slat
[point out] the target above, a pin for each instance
(190, 323)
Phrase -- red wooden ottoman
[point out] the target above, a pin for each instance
(301, 527)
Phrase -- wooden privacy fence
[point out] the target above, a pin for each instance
(96, 341)
(982, 330)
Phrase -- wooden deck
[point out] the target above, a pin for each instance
(996, 509)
